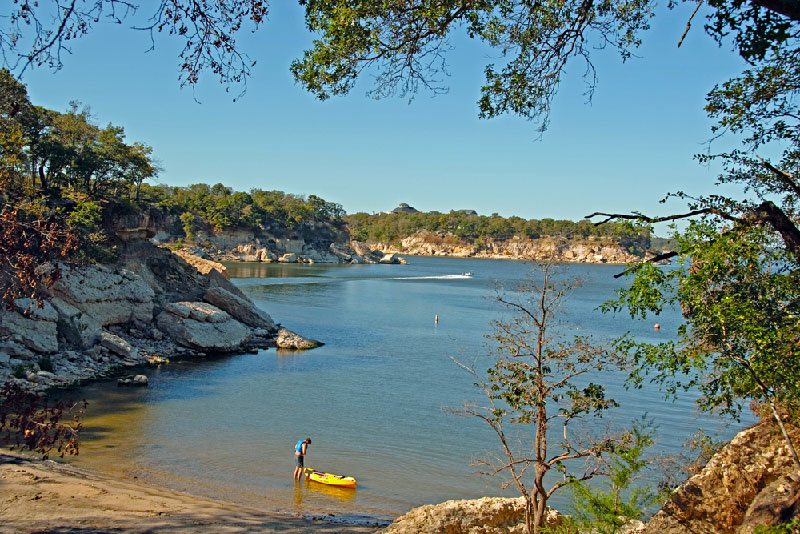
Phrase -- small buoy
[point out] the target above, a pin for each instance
(436, 319)
(656, 326)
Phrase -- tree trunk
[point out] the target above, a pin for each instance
(786, 437)
(529, 519)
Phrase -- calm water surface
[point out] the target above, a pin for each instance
(371, 399)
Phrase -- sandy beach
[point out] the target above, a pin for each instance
(47, 496)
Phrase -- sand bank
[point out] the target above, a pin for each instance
(37, 496)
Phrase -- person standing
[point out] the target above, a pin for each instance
(299, 453)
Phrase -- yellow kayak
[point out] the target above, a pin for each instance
(330, 478)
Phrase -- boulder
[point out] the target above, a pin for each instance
(137, 380)
(289, 257)
(35, 326)
(109, 296)
(489, 515)
(239, 308)
(118, 345)
(289, 340)
(203, 327)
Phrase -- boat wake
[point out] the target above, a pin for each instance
(440, 277)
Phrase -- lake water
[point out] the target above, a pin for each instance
(371, 399)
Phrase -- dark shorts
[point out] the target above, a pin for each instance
(298, 460)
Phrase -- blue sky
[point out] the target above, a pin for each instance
(624, 151)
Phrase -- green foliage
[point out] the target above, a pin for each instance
(45, 363)
(190, 224)
(792, 527)
(403, 43)
(740, 296)
(67, 150)
(605, 511)
(391, 227)
(20, 370)
(223, 208)
(85, 216)
(539, 379)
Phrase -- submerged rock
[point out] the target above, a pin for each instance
(136, 380)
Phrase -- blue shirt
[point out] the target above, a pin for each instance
(299, 446)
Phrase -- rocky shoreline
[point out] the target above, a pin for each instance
(152, 306)
(749, 482)
(156, 305)
(590, 250)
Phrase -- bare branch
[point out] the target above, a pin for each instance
(689, 23)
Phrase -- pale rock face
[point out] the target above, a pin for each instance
(288, 258)
(198, 311)
(434, 244)
(489, 515)
(241, 309)
(39, 333)
(203, 266)
(201, 326)
(77, 327)
(118, 345)
(108, 296)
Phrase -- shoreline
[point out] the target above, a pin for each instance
(45, 495)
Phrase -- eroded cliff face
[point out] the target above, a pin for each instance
(152, 305)
(574, 250)
(318, 242)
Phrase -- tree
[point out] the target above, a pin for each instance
(606, 511)
(537, 378)
(737, 278)
(37, 34)
(29, 421)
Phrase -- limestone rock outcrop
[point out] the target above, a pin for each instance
(751, 481)
(489, 515)
(241, 309)
(109, 296)
(289, 340)
(34, 327)
(203, 327)
(441, 244)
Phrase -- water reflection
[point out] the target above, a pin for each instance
(340, 494)
(274, 270)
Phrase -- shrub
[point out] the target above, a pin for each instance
(46, 364)
(20, 370)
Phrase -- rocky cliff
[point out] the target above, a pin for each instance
(153, 304)
(588, 250)
(318, 242)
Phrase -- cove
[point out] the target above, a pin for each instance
(371, 398)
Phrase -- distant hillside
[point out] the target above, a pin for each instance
(467, 227)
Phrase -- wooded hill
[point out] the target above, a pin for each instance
(470, 227)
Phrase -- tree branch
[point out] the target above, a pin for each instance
(689, 23)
